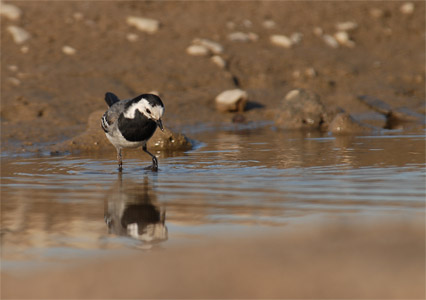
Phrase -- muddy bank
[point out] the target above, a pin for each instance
(335, 260)
(56, 77)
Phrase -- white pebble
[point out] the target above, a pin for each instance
(346, 26)
(143, 24)
(281, 40)
(232, 100)
(242, 36)
(219, 61)
(68, 50)
(10, 11)
(330, 41)
(407, 8)
(214, 47)
(296, 38)
(132, 37)
(268, 24)
(19, 34)
(197, 50)
(342, 37)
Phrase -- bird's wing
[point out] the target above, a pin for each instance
(111, 116)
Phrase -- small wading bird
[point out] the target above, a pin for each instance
(131, 123)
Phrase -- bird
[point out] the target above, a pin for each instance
(131, 123)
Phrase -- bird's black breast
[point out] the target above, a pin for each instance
(138, 129)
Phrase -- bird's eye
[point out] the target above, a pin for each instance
(148, 111)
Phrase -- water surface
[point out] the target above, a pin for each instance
(234, 181)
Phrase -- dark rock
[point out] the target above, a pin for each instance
(301, 109)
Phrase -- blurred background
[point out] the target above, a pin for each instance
(312, 188)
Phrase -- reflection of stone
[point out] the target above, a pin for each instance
(130, 210)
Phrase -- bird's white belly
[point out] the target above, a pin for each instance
(120, 142)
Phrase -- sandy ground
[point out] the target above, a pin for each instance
(371, 261)
(48, 95)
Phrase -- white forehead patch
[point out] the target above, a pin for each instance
(141, 106)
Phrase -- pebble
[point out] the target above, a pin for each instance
(14, 81)
(407, 8)
(301, 109)
(342, 37)
(247, 23)
(318, 31)
(376, 13)
(12, 68)
(281, 40)
(143, 24)
(132, 37)
(10, 11)
(19, 34)
(330, 41)
(68, 50)
(232, 100)
(197, 50)
(269, 24)
(78, 16)
(242, 36)
(25, 49)
(230, 25)
(219, 61)
(346, 26)
(214, 47)
(296, 38)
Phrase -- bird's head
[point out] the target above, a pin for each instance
(150, 106)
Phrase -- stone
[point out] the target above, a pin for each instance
(344, 123)
(281, 40)
(212, 46)
(318, 31)
(242, 36)
(301, 109)
(10, 11)
(346, 26)
(269, 24)
(407, 8)
(197, 50)
(168, 140)
(342, 37)
(330, 41)
(232, 100)
(94, 140)
(19, 34)
(143, 24)
(132, 37)
(296, 38)
(218, 61)
(68, 50)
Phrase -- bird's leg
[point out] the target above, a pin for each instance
(154, 166)
(120, 160)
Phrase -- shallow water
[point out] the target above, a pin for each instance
(236, 181)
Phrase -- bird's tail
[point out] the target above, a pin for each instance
(110, 98)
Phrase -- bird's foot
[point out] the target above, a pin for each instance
(154, 166)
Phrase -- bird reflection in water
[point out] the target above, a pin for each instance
(131, 210)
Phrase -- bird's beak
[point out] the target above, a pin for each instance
(160, 124)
